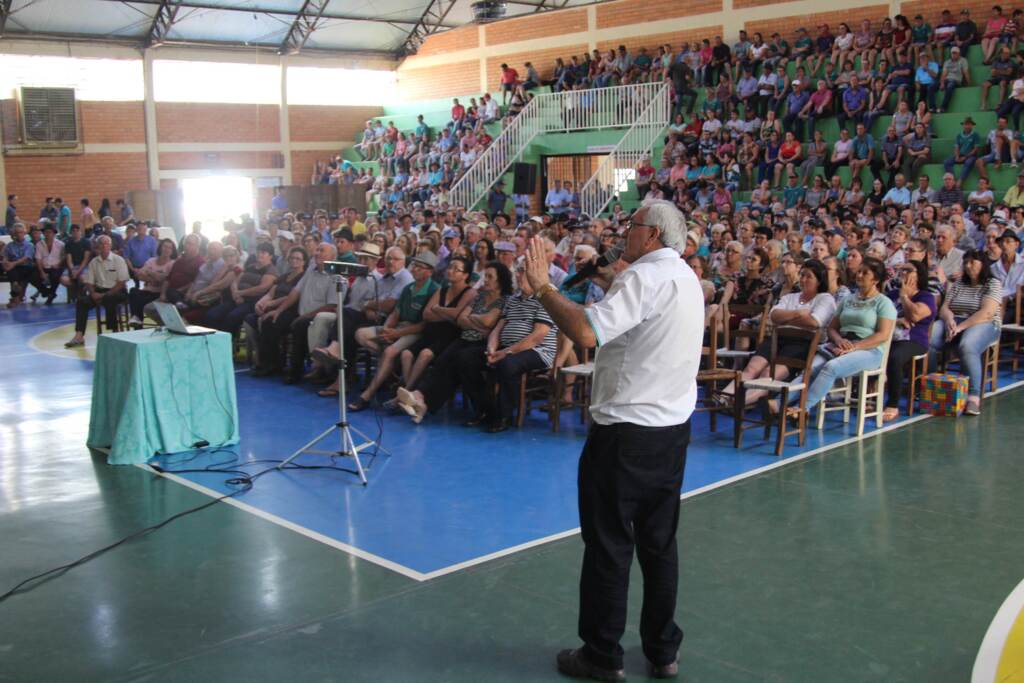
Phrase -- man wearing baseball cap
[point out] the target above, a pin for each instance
(1010, 271)
(401, 329)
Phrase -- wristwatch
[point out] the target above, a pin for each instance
(545, 290)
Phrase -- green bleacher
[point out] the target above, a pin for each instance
(946, 126)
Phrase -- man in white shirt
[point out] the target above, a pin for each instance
(104, 284)
(557, 200)
(1010, 271)
(50, 262)
(648, 330)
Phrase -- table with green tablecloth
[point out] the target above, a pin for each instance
(154, 392)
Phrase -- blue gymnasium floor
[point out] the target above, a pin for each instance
(448, 497)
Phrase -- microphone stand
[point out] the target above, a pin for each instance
(348, 448)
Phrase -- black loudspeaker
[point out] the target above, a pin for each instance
(525, 179)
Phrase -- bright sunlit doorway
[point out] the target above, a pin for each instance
(213, 200)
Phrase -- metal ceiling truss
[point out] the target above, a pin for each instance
(5, 11)
(163, 20)
(306, 22)
(545, 5)
(431, 22)
(250, 10)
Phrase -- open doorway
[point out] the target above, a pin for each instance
(212, 200)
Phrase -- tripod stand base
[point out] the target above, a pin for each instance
(349, 448)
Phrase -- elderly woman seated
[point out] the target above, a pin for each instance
(915, 310)
(476, 322)
(523, 340)
(811, 308)
(969, 321)
(440, 318)
(271, 319)
(860, 329)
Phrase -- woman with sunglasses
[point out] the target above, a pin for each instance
(915, 311)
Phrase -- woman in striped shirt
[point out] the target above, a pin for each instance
(969, 321)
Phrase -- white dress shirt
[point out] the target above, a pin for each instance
(649, 329)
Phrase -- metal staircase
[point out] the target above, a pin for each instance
(611, 175)
(574, 110)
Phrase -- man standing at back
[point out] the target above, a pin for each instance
(648, 332)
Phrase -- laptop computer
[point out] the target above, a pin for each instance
(173, 323)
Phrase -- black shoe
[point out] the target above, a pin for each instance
(475, 421)
(49, 299)
(293, 379)
(498, 426)
(670, 670)
(263, 372)
(572, 663)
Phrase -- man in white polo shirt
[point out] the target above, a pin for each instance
(104, 284)
(648, 332)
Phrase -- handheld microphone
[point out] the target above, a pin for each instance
(590, 269)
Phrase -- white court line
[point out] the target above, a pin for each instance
(986, 666)
(291, 526)
(451, 569)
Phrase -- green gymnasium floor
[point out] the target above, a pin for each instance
(881, 561)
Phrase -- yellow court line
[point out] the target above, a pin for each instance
(1001, 655)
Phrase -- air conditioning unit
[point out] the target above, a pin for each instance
(488, 10)
(49, 117)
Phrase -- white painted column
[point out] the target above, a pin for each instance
(149, 109)
(591, 27)
(3, 171)
(285, 129)
(481, 33)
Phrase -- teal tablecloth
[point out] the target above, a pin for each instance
(157, 393)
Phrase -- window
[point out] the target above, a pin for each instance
(92, 79)
(319, 85)
(175, 81)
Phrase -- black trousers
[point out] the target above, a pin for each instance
(478, 380)
(629, 484)
(899, 356)
(22, 276)
(50, 282)
(300, 344)
(138, 298)
(270, 335)
(440, 381)
(109, 302)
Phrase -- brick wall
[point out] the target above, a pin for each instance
(314, 123)
(461, 78)
(638, 11)
(33, 178)
(463, 38)
(653, 41)
(112, 122)
(219, 160)
(304, 161)
(787, 25)
(932, 11)
(543, 61)
(536, 26)
(191, 122)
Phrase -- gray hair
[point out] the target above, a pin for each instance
(664, 215)
(583, 250)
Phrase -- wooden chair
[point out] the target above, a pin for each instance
(754, 335)
(918, 369)
(709, 376)
(799, 369)
(534, 387)
(582, 374)
(864, 394)
(122, 317)
(989, 366)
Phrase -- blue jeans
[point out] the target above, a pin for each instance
(948, 86)
(826, 375)
(969, 345)
(950, 163)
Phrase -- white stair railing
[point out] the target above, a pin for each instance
(573, 110)
(638, 141)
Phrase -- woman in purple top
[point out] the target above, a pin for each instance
(916, 307)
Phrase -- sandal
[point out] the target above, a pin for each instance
(890, 414)
(73, 344)
(327, 393)
(359, 404)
